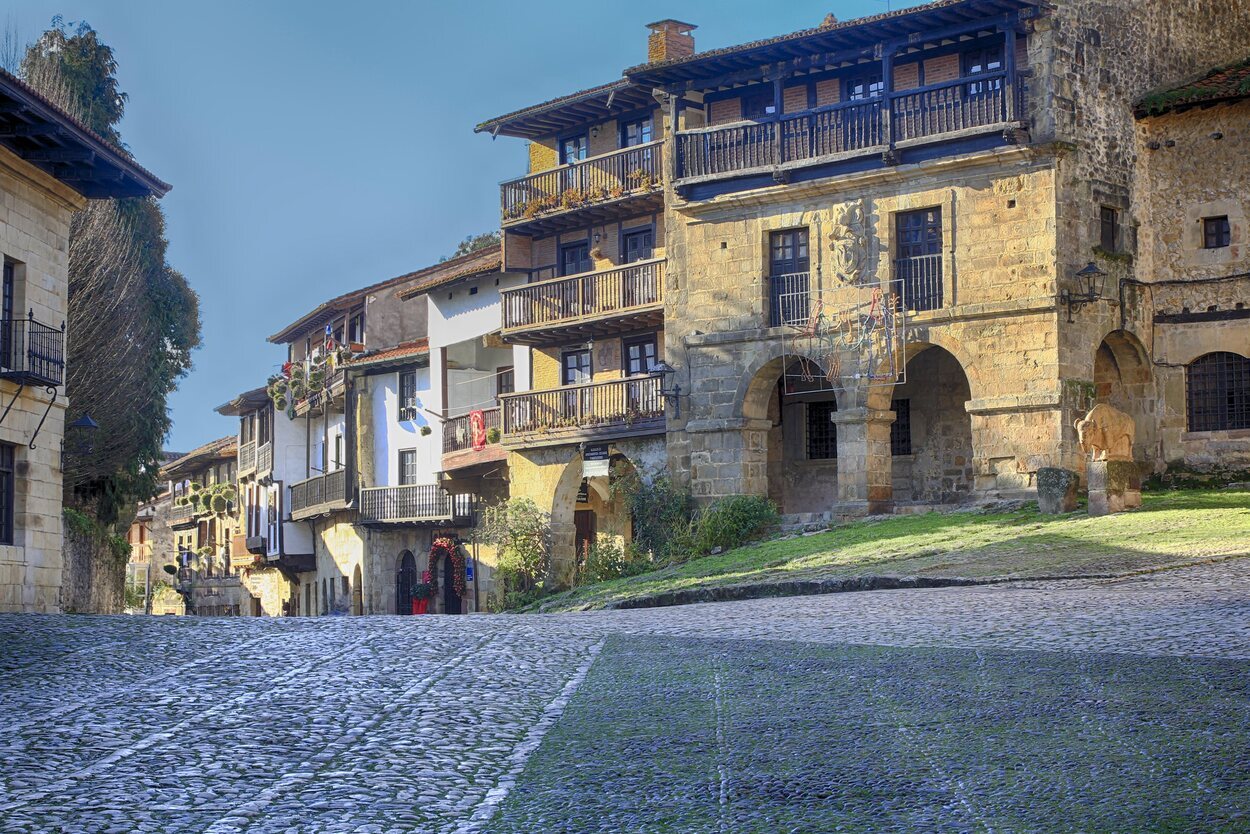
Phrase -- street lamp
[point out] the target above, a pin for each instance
(662, 370)
(1090, 282)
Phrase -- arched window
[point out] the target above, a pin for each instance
(1218, 386)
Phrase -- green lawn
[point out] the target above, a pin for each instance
(1171, 529)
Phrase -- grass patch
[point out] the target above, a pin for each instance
(1172, 529)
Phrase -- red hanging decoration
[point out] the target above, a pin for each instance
(445, 546)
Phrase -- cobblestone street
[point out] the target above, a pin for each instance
(1082, 705)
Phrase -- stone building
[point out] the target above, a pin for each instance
(50, 166)
(153, 547)
(900, 255)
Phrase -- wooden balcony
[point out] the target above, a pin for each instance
(247, 458)
(458, 451)
(415, 504)
(331, 393)
(973, 105)
(322, 494)
(264, 458)
(594, 411)
(600, 303)
(586, 192)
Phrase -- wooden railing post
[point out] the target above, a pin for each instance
(1008, 109)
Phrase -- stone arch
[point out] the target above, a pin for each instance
(878, 397)
(931, 444)
(406, 578)
(358, 591)
(760, 377)
(603, 512)
(1124, 379)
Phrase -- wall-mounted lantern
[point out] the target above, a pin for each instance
(1090, 284)
(672, 396)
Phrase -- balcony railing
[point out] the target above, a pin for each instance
(931, 111)
(264, 458)
(789, 299)
(414, 503)
(247, 457)
(612, 406)
(918, 280)
(458, 434)
(330, 488)
(183, 512)
(618, 290)
(623, 173)
(31, 352)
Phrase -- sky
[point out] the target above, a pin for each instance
(318, 146)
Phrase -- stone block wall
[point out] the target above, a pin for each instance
(35, 213)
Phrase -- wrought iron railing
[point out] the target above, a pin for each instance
(622, 173)
(619, 403)
(414, 502)
(458, 434)
(789, 299)
(918, 281)
(31, 352)
(933, 110)
(330, 488)
(620, 289)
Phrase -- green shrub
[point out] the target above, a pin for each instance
(732, 522)
(521, 536)
(662, 513)
(605, 559)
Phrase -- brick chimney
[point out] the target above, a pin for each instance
(669, 40)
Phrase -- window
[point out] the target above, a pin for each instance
(575, 258)
(860, 87)
(7, 357)
(573, 149)
(638, 245)
(8, 491)
(338, 453)
(918, 269)
(981, 62)
(505, 380)
(263, 424)
(1109, 229)
(822, 432)
(1216, 233)
(636, 132)
(407, 395)
(900, 431)
(407, 466)
(759, 105)
(639, 356)
(1218, 392)
(356, 328)
(788, 264)
(575, 367)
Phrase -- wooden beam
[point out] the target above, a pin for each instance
(63, 155)
(38, 129)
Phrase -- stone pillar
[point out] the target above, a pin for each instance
(728, 457)
(865, 466)
(1114, 486)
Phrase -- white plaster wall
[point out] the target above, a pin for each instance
(390, 435)
(456, 314)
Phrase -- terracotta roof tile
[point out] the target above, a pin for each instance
(223, 447)
(417, 347)
(1227, 83)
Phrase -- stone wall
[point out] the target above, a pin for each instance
(35, 213)
(94, 578)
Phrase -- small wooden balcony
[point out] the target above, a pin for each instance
(415, 504)
(590, 191)
(330, 393)
(458, 451)
(593, 411)
(628, 297)
(247, 458)
(319, 495)
(264, 459)
(980, 104)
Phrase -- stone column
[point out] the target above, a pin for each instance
(865, 466)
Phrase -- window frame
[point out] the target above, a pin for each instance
(565, 248)
(564, 365)
(8, 493)
(625, 125)
(407, 405)
(1222, 403)
(981, 58)
(562, 142)
(502, 373)
(900, 429)
(770, 103)
(639, 341)
(822, 445)
(1109, 228)
(1217, 232)
(406, 466)
(872, 84)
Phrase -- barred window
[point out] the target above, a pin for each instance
(822, 432)
(900, 431)
(1218, 392)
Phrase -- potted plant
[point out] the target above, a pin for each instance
(426, 431)
(493, 434)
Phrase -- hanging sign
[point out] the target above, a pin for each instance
(595, 461)
(468, 569)
(477, 428)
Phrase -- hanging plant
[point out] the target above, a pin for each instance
(426, 431)
(316, 379)
(218, 504)
(493, 434)
(443, 547)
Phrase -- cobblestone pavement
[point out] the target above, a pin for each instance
(1111, 706)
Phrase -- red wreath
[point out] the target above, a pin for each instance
(446, 546)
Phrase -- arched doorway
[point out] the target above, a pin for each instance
(791, 436)
(1123, 380)
(451, 599)
(358, 597)
(405, 582)
(585, 510)
(931, 437)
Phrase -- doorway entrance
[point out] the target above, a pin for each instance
(451, 600)
(405, 582)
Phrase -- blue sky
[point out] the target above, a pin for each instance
(316, 146)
